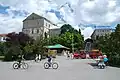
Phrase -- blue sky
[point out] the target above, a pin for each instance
(85, 12)
(57, 13)
(3, 9)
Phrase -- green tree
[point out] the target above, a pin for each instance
(79, 31)
(68, 28)
(38, 46)
(54, 40)
(78, 41)
(67, 38)
(15, 44)
(12, 51)
(109, 44)
(2, 47)
(28, 49)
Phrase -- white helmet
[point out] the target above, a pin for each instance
(104, 55)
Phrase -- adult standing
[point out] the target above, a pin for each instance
(68, 55)
(39, 56)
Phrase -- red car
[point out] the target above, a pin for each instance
(76, 55)
(82, 55)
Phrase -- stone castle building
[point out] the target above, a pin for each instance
(36, 26)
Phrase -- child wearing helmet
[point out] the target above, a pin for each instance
(105, 59)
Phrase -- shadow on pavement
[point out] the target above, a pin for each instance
(94, 65)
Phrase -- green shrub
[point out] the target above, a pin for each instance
(114, 60)
(8, 57)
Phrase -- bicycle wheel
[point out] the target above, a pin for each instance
(100, 67)
(46, 65)
(54, 65)
(24, 65)
(16, 65)
(103, 67)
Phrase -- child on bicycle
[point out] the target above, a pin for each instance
(105, 59)
(49, 58)
(101, 60)
(19, 58)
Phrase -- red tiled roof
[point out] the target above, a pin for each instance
(3, 35)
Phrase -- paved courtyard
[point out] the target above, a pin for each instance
(68, 70)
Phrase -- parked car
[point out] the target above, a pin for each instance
(76, 55)
(82, 55)
(95, 53)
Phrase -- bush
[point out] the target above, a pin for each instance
(8, 57)
(114, 60)
(29, 56)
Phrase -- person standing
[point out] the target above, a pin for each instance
(71, 54)
(68, 56)
(40, 58)
(64, 53)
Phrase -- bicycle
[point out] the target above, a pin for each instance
(47, 65)
(101, 66)
(18, 65)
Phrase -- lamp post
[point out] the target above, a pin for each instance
(72, 43)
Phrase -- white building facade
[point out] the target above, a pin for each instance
(55, 32)
(36, 26)
(101, 32)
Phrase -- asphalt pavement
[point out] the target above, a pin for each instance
(77, 69)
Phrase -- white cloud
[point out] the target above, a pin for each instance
(101, 12)
(61, 2)
(10, 25)
(87, 12)
(52, 17)
(87, 32)
(112, 3)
